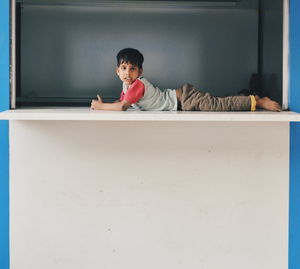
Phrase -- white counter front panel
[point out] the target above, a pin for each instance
(148, 195)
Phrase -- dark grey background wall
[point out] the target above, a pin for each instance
(70, 51)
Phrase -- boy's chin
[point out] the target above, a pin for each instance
(128, 83)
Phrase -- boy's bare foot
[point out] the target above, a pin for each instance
(267, 103)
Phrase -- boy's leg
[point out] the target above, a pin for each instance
(193, 99)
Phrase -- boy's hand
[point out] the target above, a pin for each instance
(117, 106)
(96, 104)
(99, 98)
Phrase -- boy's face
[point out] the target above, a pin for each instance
(128, 73)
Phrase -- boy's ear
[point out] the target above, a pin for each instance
(117, 70)
(141, 70)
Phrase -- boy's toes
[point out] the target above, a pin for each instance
(276, 107)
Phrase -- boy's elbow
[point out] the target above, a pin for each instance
(124, 106)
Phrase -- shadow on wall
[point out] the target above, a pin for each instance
(271, 87)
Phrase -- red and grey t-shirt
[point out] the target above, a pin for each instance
(141, 94)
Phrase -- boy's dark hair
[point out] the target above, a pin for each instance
(130, 55)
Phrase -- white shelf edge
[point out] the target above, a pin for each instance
(86, 114)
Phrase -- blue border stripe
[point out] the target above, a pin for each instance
(294, 96)
(294, 223)
(294, 101)
(4, 105)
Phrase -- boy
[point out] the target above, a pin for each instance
(139, 93)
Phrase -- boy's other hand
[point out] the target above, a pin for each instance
(96, 104)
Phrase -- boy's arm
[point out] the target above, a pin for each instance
(116, 106)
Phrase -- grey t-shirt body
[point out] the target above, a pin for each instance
(154, 98)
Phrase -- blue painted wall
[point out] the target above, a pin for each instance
(294, 100)
(4, 105)
(294, 224)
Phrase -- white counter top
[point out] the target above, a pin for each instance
(83, 113)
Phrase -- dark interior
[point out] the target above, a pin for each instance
(66, 50)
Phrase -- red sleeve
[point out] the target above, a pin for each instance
(135, 92)
(122, 96)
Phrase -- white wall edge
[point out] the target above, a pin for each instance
(91, 115)
(13, 54)
(285, 55)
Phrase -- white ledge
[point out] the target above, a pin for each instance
(86, 114)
